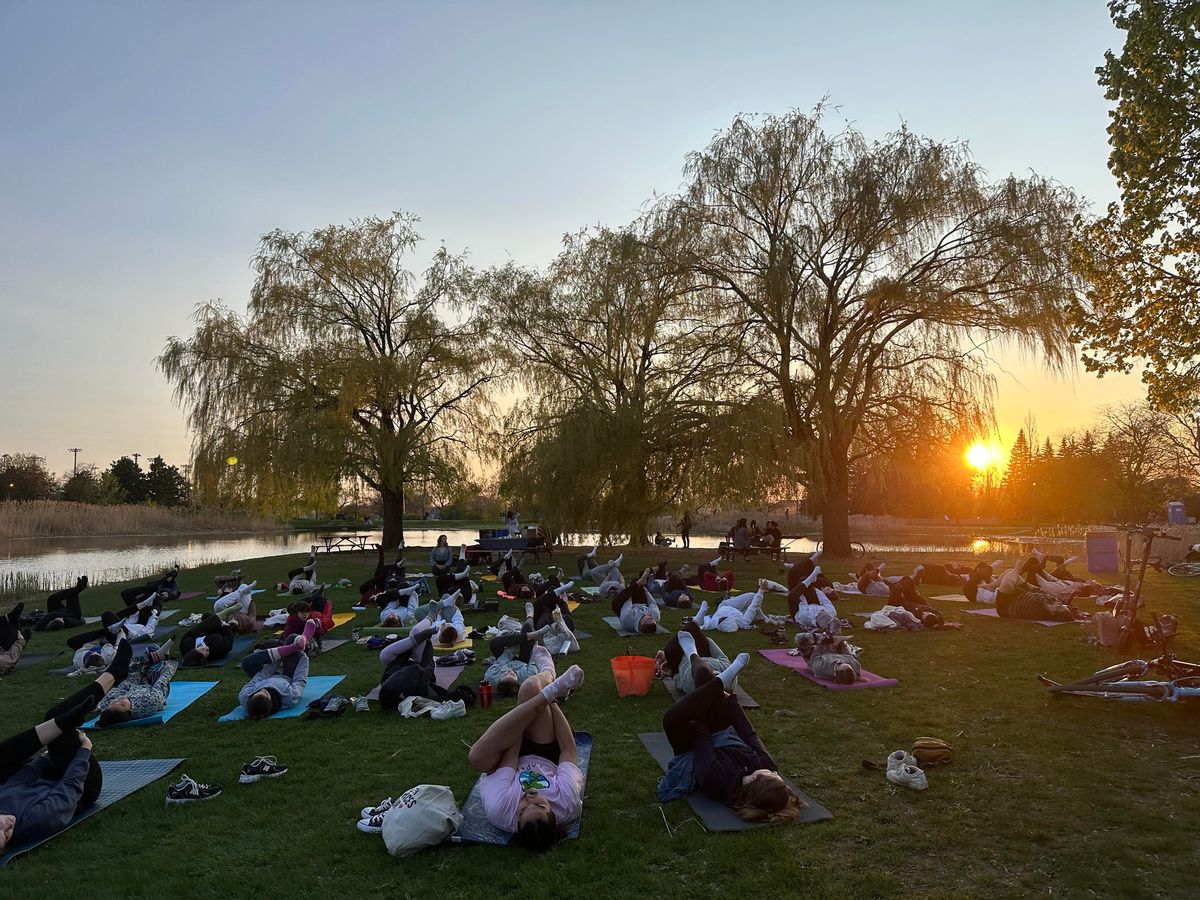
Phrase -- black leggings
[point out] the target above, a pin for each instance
(8, 634)
(632, 591)
(698, 715)
(543, 610)
(674, 653)
(135, 595)
(513, 638)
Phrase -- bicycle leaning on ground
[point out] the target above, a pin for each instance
(1190, 566)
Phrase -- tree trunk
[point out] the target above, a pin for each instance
(835, 506)
(393, 516)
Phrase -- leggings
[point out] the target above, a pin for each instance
(135, 595)
(513, 638)
(543, 610)
(254, 663)
(8, 634)
(674, 653)
(691, 720)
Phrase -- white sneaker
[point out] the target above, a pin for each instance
(449, 709)
(384, 806)
(908, 776)
(899, 759)
(373, 825)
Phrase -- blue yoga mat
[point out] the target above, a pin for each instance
(318, 686)
(476, 829)
(241, 644)
(183, 694)
(121, 778)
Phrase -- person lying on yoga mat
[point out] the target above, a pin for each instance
(829, 656)
(210, 639)
(607, 575)
(869, 582)
(800, 569)
(398, 605)
(709, 578)
(512, 579)
(1015, 599)
(441, 557)
(40, 794)
(239, 609)
(227, 583)
(143, 692)
(635, 608)
(1034, 570)
(532, 786)
(511, 650)
(377, 583)
(448, 620)
(139, 619)
(904, 593)
(808, 605)
(734, 612)
(302, 579)
(62, 609)
(672, 662)
(718, 752)
(672, 587)
(459, 581)
(981, 584)
(13, 639)
(277, 676)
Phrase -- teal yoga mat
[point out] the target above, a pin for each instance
(318, 686)
(183, 694)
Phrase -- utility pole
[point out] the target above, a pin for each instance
(136, 457)
(75, 465)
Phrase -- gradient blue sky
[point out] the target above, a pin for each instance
(145, 146)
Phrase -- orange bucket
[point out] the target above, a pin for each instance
(634, 675)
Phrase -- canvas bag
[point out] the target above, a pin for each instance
(421, 817)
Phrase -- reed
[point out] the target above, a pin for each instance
(56, 518)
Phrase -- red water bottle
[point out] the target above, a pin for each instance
(485, 695)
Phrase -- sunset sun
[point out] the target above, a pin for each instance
(982, 457)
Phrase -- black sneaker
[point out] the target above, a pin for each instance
(188, 790)
(261, 767)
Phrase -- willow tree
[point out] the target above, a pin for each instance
(626, 413)
(346, 363)
(870, 278)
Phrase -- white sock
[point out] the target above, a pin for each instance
(808, 582)
(592, 554)
(562, 589)
(542, 659)
(563, 684)
(789, 566)
(251, 586)
(619, 560)
(1069, 560)
(687, 644)
(508, 555)
(918, 570)
(814, 557)
(462, 551)
(730, 675)
(701, 612)
(529, 610)
(149, 601)
(716, 562)
(451, 599)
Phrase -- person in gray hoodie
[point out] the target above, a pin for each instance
(277, 676)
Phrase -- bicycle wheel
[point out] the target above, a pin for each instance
(858, 549)
(1185, 570)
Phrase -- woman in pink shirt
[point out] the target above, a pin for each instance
(532, 786)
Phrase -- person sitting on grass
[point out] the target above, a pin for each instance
(532, 786)
(734, 612)
(62, 609)
(13, 639)
(143, 692)
(441, 557)
(718, 752)
(277, 676)
(635, 608)
(672, 662)
(1015, 599)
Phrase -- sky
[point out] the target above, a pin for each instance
(146, 146)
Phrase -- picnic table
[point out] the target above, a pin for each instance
(336, 543)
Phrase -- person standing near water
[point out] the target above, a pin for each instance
(685, 529)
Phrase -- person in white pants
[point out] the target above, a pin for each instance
(740, 611)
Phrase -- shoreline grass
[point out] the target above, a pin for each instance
(59, 518)
(1064, 796)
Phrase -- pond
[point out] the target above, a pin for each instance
(56, 562)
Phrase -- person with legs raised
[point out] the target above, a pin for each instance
(635, 608)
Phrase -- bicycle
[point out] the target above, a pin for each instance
(857, 550)
(1190, 566)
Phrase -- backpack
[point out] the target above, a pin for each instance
(421, 817)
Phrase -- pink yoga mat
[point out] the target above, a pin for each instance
(800, 664)
(995, 615)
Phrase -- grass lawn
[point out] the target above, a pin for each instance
(1070, 796)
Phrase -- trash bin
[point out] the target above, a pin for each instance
(1102, 552)
(1176, 514)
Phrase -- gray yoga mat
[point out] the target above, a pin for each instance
(745, 701)
(121, 778)
(162, 617)
(475, 827)
(29, 660)
(615, 624)
(717, 816)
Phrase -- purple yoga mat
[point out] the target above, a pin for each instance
(443, 676)
(800, 664)
(995, 615)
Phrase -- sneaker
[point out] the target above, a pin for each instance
(261, 767)
(361, 704)
(372, 825)
(449, 709)
(187, 790)
(384, 805)
(898, 759)
(908, 776)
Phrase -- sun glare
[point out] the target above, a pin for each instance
(982, 457)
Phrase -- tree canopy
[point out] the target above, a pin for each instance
(346, 363)
(1142, 259)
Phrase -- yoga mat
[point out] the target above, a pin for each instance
(333, 644)
(121, 778)
(745, 701)
(318, 686)
(340, 619)
(464, 644)
(140, 648)
(29, 660)
(475, 827)
(189, 595)
(800, 664)
(953, 598)
(214, 597)
(162, 616)
(717, 816)
(590, 591)
(241, 644)
(615, 624)
(183, 694)
(582, 635)
(443, 677)
(991, 613)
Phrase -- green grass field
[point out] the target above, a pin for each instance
(1071, 797)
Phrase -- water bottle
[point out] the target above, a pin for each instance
(485, 695)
